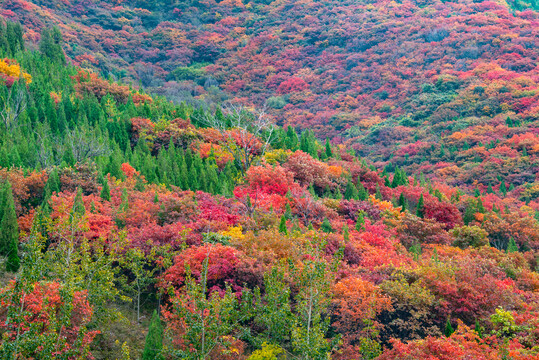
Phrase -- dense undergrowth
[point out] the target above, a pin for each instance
(214, 234)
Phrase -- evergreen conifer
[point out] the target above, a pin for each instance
(154, 340)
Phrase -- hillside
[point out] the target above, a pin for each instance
(386, 206)
(444, 88)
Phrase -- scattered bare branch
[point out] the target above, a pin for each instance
(12, 104)
(85, 145)
(246, 133)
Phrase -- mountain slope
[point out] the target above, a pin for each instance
(248, 240)
(444, 88)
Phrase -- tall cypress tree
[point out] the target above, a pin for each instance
(360, 222)
(469, 213)
(282, 226)
(61, 119)
(480, 208)
(2, 199)
(303, 142)
(9, 231)
(328, 149)
(397, 179)
(78, 208)
(154, 340)
(288, 212)
(291, 140)
(503, 188)
(124, 205)
(52, 186)
(402, 202)
(420, 211)
(105, 191)
(51, 45)
(113, 167)
(4, 45)
(362, 193)
(11, 38)
(351, 192)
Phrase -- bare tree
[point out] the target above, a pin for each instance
(246, 133)
(85, 144)
(146, 74)
(12, 104)
(45, 156)
(305, 206)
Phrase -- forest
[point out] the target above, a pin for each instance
(269, 180)
(447, 88)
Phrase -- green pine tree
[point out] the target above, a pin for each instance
(124, 205)
(312, 192)
(360, 222)
(9, 230)
(512, 246)
(154, 340)
(438, 195)
(351, 192)
(469, 214)
(362, 193)
(479, 206)
(329, 153)
(62, 121)
(397, 179)
(52, 186)
(114, 167)
(50, 45)
(402, 202)
(282, 226)
(448, 328)
(105, 191)
(326, 226)
(420, 210)
(509, 122)
(288, 212)
(13, 261)
(503, 188)
(291, 140)
(78, 208)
